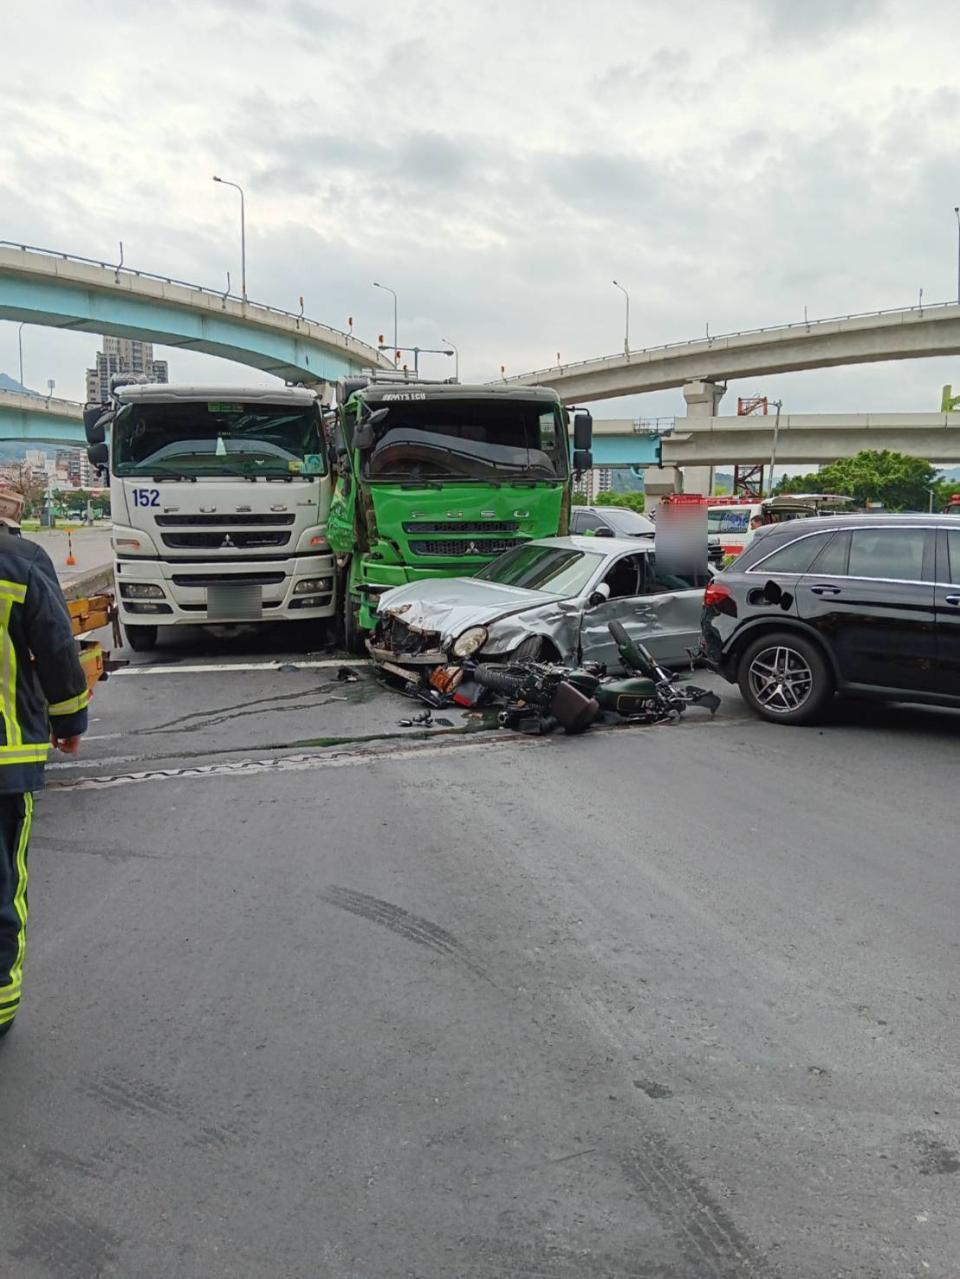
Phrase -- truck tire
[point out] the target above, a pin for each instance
(785, 678)
(140, 638)
(353, 636)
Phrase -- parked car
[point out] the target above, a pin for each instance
(855, 604)
(620, 521)
(550, 600)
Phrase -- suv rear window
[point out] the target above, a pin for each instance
(795, 557)
(887, 553)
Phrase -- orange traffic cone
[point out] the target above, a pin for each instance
(71, 558)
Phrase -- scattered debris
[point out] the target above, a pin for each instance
(347, 675)
(425, 720)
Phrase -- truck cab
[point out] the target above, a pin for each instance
(220, 498)
(437, 479)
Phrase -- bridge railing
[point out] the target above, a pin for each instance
(118, 268)
(710, 338)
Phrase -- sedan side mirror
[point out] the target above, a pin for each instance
(603, 531)
(599, 595)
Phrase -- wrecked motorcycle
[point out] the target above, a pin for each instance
(542, 696)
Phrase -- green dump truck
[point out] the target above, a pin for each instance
(437, 479)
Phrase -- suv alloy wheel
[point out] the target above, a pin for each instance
(784, 678)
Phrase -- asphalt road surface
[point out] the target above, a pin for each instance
(312, 995)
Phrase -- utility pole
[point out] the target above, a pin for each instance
(626, 330)
(778, 404)
(243, 235)
(387, 289)
(456, 352)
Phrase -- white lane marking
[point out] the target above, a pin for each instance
(98, 737)
(293, 763)
(239, 666)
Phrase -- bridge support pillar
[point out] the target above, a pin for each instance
(703, 400)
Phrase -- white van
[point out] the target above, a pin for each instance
(731, 518)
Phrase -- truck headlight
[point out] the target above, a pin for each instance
(312, 585)
(470, 641)
(140, 591)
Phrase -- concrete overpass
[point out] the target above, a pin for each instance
(58, 290)
(33, 420)
(912, 333)
(803, 438)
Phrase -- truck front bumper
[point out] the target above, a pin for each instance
(211, 593)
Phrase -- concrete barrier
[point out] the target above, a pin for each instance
(92, 582)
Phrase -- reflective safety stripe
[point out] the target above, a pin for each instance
(12, 988)
(71, 705)
(27, 753)
(16, 592)
(7, 1014)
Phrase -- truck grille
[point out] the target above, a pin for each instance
(216, 579)
(458, 526)
(224, 521)
(224, 540)
(465, 546)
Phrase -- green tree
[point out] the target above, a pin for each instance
(632, 501)
(897, 480)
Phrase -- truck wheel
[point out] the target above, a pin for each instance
(785, 678)
(141, 638)
(353, 636)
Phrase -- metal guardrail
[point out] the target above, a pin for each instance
(118, 268)
(712, 338)
(51, 401)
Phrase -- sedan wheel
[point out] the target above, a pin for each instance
(785, 679)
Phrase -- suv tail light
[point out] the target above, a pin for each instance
(720, 597)
(714, 593)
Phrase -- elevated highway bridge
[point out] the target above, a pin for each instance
(61, 291)
(905, 334)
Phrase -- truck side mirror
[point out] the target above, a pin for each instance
(96, 418)
(99, 454)
(582, 460)
(582, 431)
(363, 437)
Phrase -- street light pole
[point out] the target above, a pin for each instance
(387, 289)
(626, 331)
(20, 348)
(243, 234)
(778, 405)
(456, 352)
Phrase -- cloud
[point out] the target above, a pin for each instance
(499, 164)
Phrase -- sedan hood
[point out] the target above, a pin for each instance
(451, 606)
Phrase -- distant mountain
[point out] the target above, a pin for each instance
(11, 384)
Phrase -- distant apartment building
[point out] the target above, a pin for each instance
(594, 482)
(122, 355)
(73, 468)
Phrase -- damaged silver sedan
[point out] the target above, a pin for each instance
(550, 600)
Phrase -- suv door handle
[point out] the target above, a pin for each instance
(951, 599)
(825, 590)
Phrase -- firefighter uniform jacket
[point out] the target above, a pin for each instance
(42, 685)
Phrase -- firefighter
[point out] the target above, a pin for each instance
(43, 702)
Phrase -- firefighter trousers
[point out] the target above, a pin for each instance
(16, 815)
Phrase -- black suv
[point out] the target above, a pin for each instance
(860, 604)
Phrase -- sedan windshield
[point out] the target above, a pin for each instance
(490, 440)
(215, 438)
(629, 523)
(555, 570)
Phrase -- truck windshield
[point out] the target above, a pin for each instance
(555, 570)
(475, 440)
(216, 438)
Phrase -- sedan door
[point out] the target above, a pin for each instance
(660, 611)
(870, 595)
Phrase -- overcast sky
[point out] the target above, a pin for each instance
(499, 163)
